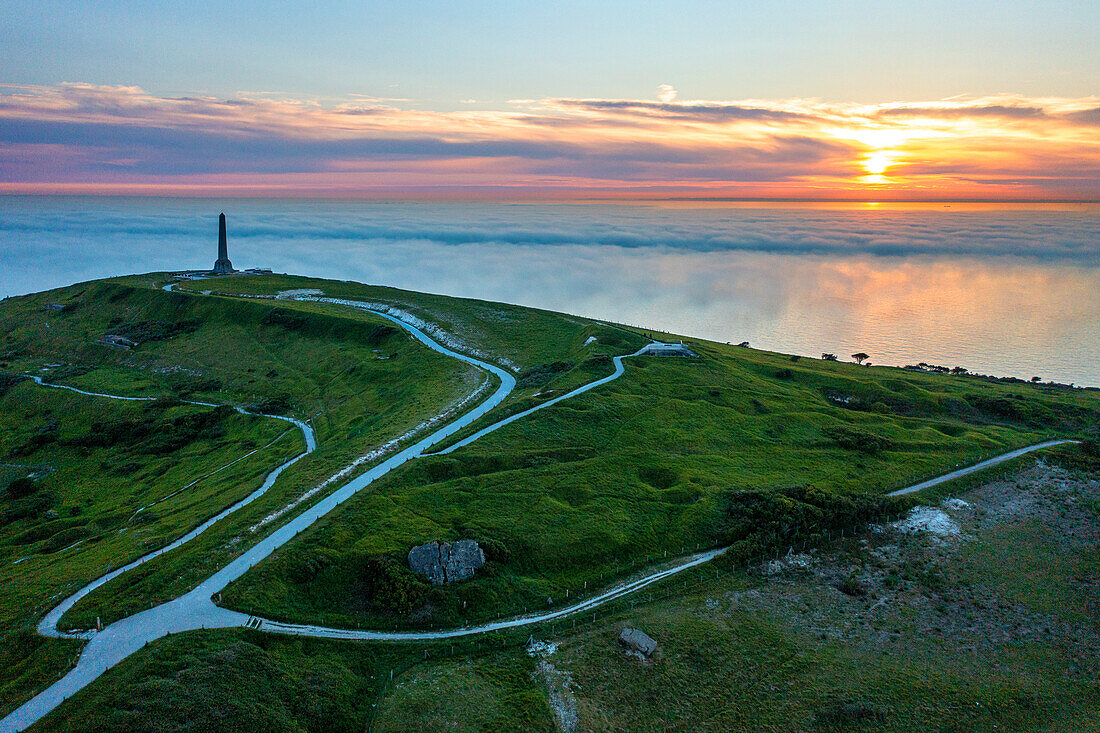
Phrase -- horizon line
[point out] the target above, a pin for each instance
(443, 195)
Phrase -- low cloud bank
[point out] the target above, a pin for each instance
(1067, 234)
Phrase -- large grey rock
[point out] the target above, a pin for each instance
(637, 641)
(446, 562)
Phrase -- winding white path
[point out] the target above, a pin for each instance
(619, 369)
(195, 609)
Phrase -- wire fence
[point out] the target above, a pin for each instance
(686, 582)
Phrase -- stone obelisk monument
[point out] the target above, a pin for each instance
(223, 266)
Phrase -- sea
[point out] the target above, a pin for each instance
(1004, 289)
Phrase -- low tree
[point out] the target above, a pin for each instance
(828, 357)
(959, 370)
(860, 357)
(1036, 380)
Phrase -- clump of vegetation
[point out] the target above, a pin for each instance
(541, 374)
(155, 435)
(184, 385)
(859, 440)
(144, 331)
(25, 499)
(276, 404)
(846, 712)
(850, 585)
(7, 381)
(21, 487)
(756, 520)
(389, 587)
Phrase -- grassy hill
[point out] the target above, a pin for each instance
(359, 381)
(661, 461)
(740, 446)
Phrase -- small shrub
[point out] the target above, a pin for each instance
(390, 587)
(541, 374)
(142, 331)
(277, 404)
(852, 586)
(7, 381)
(840, 712)
(21, 487)
(857, 440)
(658, 477)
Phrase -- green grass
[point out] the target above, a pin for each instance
(358, 379)
(81, 515)
(590, 488)
(737, 651)
(234, 681)
(513, 336)
(89, 511)
(659, 462)
(493, 692)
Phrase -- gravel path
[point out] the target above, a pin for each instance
(996, 460)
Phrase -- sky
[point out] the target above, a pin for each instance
(814, 100)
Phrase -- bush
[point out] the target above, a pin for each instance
(541, 374)
(21, 487)
(762, 518)
(142, 331)
(28, 507)
(857, 440)
(7, 381)
(184, 385)
(389, 587)
(658, 477)
(851, 586)
(279, 404)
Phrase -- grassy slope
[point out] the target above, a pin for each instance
(723, 664)
(234, 681)
(590, 488)
(977, 638)
(512, 335)
(325, 367)
(95, 493)
(682, 433)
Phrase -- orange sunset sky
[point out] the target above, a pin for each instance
(830, 100)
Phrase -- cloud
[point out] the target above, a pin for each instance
(88, 137)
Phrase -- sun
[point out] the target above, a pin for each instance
(878, 161)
